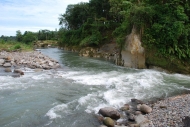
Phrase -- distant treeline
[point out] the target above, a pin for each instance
(7, 38)
(29, 37)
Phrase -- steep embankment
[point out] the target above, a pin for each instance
(172, 65)
(134, 54)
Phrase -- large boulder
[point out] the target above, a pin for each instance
(108, 122)
(109, 112)
(145, 109)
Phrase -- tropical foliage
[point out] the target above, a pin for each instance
(162, 24)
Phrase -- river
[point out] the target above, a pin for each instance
(72, 95)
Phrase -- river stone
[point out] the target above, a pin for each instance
(7, 65)
(102, 126)
(108, 122)
(137, 101)
(57, 65)
(145, 109)
(2, 57)
(109, 112)
(125, 107)
(15, 75)
(138, 112)
(19, 71)
(131, 117)
(186, 121)
(38, 70)
(51, 64)
(133, 125)
(8, 70)
(142, 121)
(44, 66)
(120, 126)
(2, 61)
(163, 106)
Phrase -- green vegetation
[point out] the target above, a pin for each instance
(163, 25)
(15, 46)
(86, 24)
(26, 41)
(29, 37)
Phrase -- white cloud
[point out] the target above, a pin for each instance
(31, 15)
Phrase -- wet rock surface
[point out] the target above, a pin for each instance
(107, 51)
(109, 112)
(129, 115)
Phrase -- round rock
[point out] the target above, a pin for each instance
(109, 112)
(145, 108)
(108, 122)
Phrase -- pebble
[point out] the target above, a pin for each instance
(177, 108)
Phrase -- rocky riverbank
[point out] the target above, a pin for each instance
(11, 61)
(169, 112)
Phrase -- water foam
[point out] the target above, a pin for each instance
(52, 112)
(121, 86)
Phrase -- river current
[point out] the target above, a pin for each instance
(72, 95)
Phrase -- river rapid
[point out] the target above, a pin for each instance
(72, 95)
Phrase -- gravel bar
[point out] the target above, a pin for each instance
(170, 112)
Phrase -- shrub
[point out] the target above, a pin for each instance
(17, 46)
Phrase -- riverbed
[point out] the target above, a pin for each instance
(71, 95)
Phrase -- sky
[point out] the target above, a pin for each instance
(31, 15)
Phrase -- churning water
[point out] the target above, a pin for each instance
(72, 95)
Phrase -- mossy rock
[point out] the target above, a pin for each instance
(108, 122)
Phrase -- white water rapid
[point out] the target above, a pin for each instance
(72, 95)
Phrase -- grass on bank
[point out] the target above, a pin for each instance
(15, 46)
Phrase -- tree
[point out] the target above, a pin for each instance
(18, 35)
(29, 37)
(75, 16)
